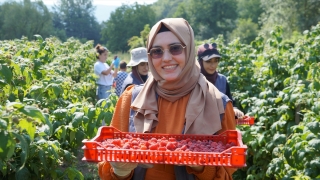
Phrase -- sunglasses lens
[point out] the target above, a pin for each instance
(156, 53)
(176, 49)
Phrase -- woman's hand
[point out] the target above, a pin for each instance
(123, 170)
(238, 113)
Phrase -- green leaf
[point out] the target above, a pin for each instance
(23, 173)
(24, 147)
(91, 130)
(33, 112)
(55, 89)
(61, 133)
(315, 143)
(3, 124)
(17, 105)
(314, 127)
(29, 127)
(6, 73)
(288, 155)
(42, 157)
(77, 119)
(36, 91)
(74, 173)
(7, 145)
(72, 135)
(39, 38)
(60, 113)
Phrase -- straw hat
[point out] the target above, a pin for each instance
(138, 55)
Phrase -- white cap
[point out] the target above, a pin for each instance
(206, 58)
(138, 55)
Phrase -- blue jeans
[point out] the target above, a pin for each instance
(103, 92)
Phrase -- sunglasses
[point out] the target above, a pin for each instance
(174, 49)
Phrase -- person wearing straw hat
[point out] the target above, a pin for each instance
(140, 68)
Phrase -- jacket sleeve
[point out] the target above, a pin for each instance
(219, 172)
(120, 120)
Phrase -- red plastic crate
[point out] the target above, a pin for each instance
(232, 157)
(246, 120)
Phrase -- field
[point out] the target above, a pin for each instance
(48, 106)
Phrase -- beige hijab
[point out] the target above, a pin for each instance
(205, 104)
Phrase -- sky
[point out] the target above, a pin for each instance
(109, 2)
(103, 7)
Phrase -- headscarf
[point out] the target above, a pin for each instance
(210, 77)
(204, 106)
(141, 78)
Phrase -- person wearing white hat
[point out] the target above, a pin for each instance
(140, 68)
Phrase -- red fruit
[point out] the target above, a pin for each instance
(143, 147)
(153, 146)
(163, 143)
(214, 144)
(162, 148)
(184, 147)
(126, 146)
(171, 146)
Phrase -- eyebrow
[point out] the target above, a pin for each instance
(168, 44)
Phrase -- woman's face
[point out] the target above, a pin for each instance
(211, 65)
(103, 56)
(143, 68)
(168, 66)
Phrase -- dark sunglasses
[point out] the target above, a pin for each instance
(174, 49)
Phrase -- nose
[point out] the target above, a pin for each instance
(166, 55)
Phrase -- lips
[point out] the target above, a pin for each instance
(169, 67)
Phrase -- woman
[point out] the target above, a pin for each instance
(209, 58)
(105, 72)
(140, 68)
(175, 99)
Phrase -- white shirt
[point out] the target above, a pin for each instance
(105, 80)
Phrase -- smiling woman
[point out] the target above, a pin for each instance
(176, 99)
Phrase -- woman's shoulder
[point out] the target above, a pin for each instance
(222, 76)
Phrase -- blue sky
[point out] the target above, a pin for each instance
(110, 2)
(103, 7)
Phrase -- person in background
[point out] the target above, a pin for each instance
(140, 68)
(105, 72)
(176, 99)
(122, 75)
(209, 58)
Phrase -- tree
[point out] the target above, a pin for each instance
(246, 30)
(249, 9)
(166, 8)
(141, 41)
(76, 19)
(213, 17)
(182, 12)
(25, 18)
(292, 15)
(126, 22)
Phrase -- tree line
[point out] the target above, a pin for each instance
(128, 25)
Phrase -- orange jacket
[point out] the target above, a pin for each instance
(120, 121)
